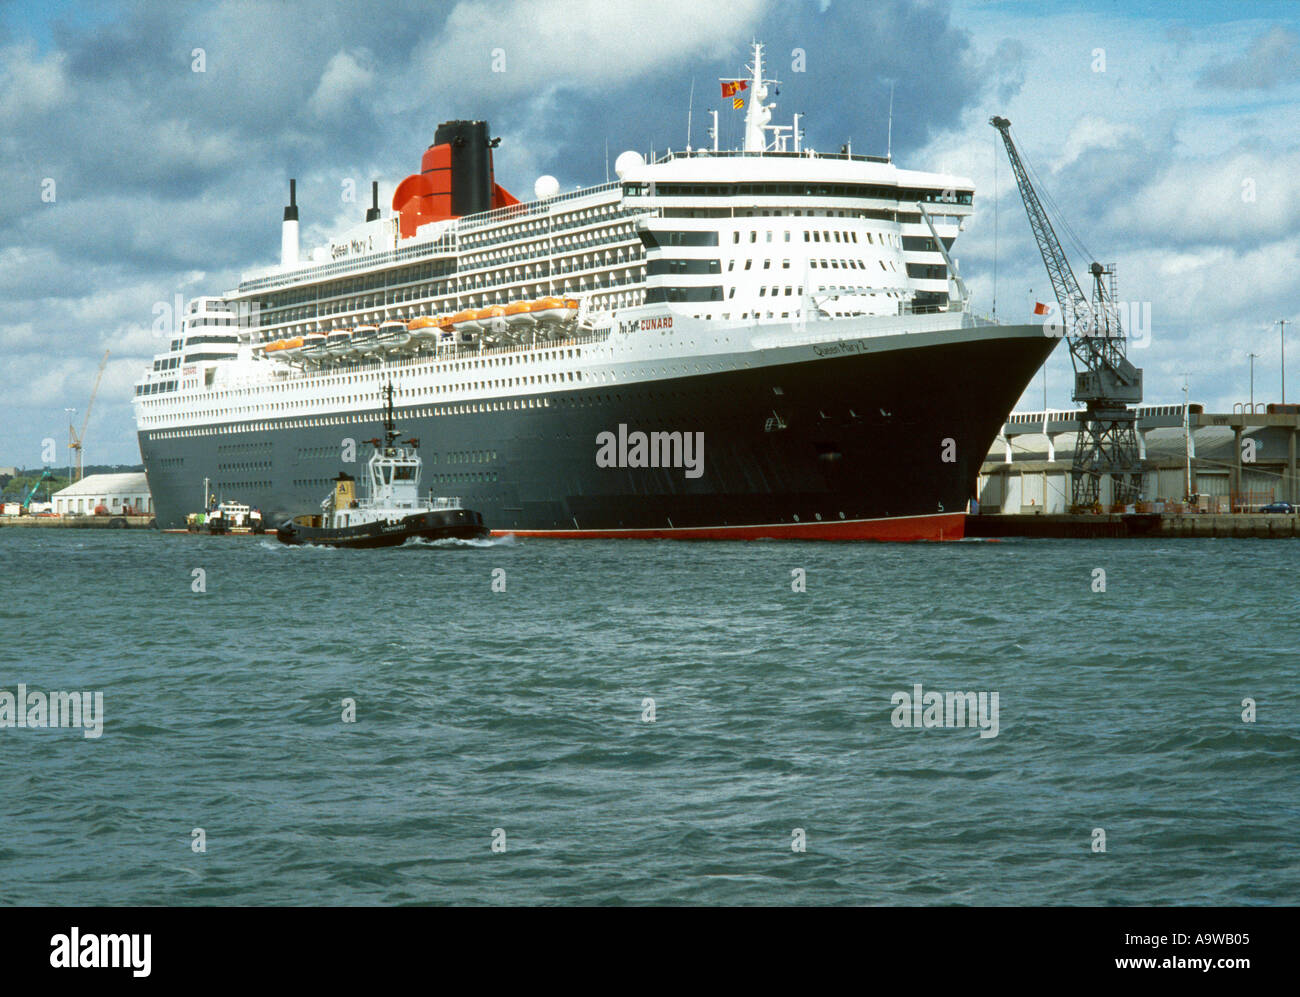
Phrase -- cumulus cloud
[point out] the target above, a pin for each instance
(29, 84)
(170, 181)
(345, 78)
(1272, 59)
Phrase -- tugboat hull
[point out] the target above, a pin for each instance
(441, 524)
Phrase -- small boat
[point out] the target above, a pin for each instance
(423, 330)
(555, 311)
(391, 511)
(365, 339)
(466, 321)
(339, 343)
(393, 335)
(292, 347)
(313, 346)
(463, 325)
(520, 313)
(226, 518)
(492, 319)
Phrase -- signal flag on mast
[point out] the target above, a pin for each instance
(732, 87)
(737, 102)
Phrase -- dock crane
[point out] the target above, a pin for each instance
(1104, 379)
(74, 438)
(27, 501)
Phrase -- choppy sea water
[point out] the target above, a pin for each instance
(520, 717)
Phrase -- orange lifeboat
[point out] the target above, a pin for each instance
(549, 311)
(466, 321)
(294, 346)
(520, 313)
(274, 347)
(445, 329)
(423, 329)
(492, 318)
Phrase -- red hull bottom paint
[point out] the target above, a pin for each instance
(944, 526)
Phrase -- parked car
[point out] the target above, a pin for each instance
(1283, 507)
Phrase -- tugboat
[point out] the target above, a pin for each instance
(226, 518)
(392, 511)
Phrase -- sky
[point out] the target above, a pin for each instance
(145, 150)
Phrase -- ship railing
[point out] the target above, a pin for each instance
(445, 502)
(445, 243)
(670, 155)
(531, 209)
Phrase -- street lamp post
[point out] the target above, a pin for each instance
(1281, 335)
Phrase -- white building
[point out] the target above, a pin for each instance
(118, 493)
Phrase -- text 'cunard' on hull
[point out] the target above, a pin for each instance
(786, 330)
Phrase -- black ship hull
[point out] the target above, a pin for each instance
(855, 441)
(441, 524)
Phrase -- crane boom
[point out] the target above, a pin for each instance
(39, 481)
(1066, 287)
(1104, 379)
(77, 438)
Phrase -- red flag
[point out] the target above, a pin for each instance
(1040, 308)
(732, 87)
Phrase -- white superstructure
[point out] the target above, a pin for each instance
(683, 263)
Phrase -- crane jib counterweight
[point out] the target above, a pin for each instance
(1104, 379)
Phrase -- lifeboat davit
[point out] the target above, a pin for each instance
(365, 339)
(520, 313)
(393, 335)
(423, 329)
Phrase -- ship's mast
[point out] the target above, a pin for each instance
(390, 426)
(758, 114)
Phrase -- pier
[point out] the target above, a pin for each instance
(78, 522)
(1119, 525)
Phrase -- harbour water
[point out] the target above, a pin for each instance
(522, 718)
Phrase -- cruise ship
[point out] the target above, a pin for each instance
(763, 342)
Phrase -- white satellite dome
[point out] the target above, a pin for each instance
(630, 160)
(546, 186)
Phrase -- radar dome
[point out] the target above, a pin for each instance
(546, 186)
(626, 161)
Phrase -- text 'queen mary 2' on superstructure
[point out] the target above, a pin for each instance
(766, 342)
